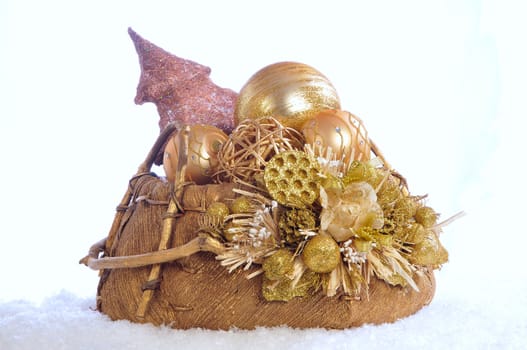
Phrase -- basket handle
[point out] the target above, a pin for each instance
(144, 168)
(156, 148)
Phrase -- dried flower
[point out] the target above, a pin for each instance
(279, 265)
(347, 210)
(426, 216)
(286, 289)
(254, 235)
(293, 221)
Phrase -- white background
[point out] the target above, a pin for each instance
(440, 86)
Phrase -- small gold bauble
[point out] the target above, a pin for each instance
(204, 143)
(292, 179)
(321, 254)
(289, 91)
(229, 232)
(241, 205)
(336, 129)
(218, 210)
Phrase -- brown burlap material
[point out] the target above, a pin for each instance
(198, 292)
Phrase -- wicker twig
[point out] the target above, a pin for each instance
(203, 243)
(169, 220)
(251, 145)
(143, 169)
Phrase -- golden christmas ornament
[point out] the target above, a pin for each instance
(284, 219)
(241, 205)
(218, 210)
(329, 129)
(204, 143)
(292, 179)
(289, 91)
(251, 145)
(321, 254)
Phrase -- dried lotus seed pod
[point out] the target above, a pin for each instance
(291, 178)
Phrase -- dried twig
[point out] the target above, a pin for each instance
(202, 243)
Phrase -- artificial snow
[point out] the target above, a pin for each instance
(66, 321)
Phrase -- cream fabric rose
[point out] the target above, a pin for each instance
(345, 210)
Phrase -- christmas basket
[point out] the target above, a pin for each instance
(278, 220)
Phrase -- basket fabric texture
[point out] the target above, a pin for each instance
(198, 292)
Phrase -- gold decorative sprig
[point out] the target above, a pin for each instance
(254, 234)
(363, 218)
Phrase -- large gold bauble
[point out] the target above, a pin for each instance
(340, 131)
(289, 91)
(204, 144)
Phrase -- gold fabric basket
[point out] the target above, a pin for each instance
(157, 266)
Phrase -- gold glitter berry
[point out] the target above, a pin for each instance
(321, 254)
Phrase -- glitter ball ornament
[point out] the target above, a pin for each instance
(335, 129)
(404, 209)
(290, 91)
(292, 179)
(204, 143)
(321, 254)
(251, 145)
(241, 205)
(218, 210)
